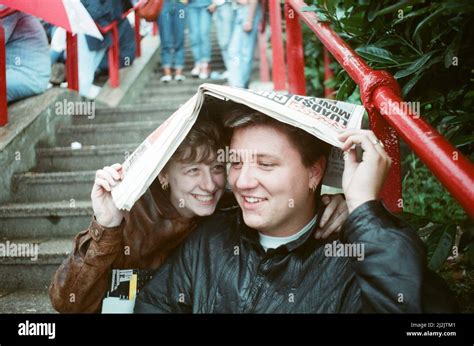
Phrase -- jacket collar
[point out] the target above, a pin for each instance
(251, 235)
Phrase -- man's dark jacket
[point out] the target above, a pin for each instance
(222, 268)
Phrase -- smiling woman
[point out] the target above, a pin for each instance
(190, 186)
(194, 174)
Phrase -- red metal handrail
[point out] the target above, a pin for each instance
(262, 46)
(3, 80)
(278, 63)
(378, 89)
(114, 52)
(3, 73)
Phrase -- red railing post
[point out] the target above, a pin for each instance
(447, 163)
(3, 80)
(72, 73)
(262, 45)
(294, 52)
(154, 32)
(138, 51)
(278, 63)
(264, 68)
(328, 74)
(114, 57)
(391, 192)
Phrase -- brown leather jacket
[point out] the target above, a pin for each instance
(150, 231)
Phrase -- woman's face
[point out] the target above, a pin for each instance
(195, 188)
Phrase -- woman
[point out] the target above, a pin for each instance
(242, 43)
(171, 23)
(190, 186)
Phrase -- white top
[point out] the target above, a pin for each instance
(269, 242)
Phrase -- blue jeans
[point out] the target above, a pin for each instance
(88, 62)
(199, 23)
(171, 22)
(242, 48)
(225, 15)
(28, 65)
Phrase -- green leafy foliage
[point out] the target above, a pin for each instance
(428, 47)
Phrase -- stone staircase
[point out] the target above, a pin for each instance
(51, 203)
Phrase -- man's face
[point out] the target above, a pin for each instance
(195, 188)
(272, 185)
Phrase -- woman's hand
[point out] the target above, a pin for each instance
(212, 8)
(333, 217)
(247, 27)
(105, 211)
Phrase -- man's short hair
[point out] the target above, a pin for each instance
(310, 148)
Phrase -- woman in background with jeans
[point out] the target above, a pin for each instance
(242, 44)
(171, 23)
(199, 22)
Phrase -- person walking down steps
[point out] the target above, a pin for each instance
(171, 24)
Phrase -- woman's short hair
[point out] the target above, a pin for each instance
(310, 148)
(202, 142)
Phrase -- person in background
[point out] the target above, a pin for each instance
(28, 64)
(171, 24)
(91, 50)
(127, 46)
(57, 52)
(225, 14)
(199, 23)
(242, 44)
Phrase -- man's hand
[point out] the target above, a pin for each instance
(333, 217)
(362, 181)
(105, 211)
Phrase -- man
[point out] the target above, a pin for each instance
(262, 258)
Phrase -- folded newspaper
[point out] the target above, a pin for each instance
(322, 118)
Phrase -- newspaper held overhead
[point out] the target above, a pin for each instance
(322, 118)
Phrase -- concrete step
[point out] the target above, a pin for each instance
(127, 114)
(88, 158)
(44, 220)
(169, 90)
(25, 301)
(35, 187)
(160, 98)
(162, 101)
(215, 52)
(154, 99)
(153, 95)
(189, 85)
(156, 93)
(216, 63)
(36, 263)
(97, 134)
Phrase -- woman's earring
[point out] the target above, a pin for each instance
(313, 188)
(164, 186)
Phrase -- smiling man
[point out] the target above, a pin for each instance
(262, 258)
